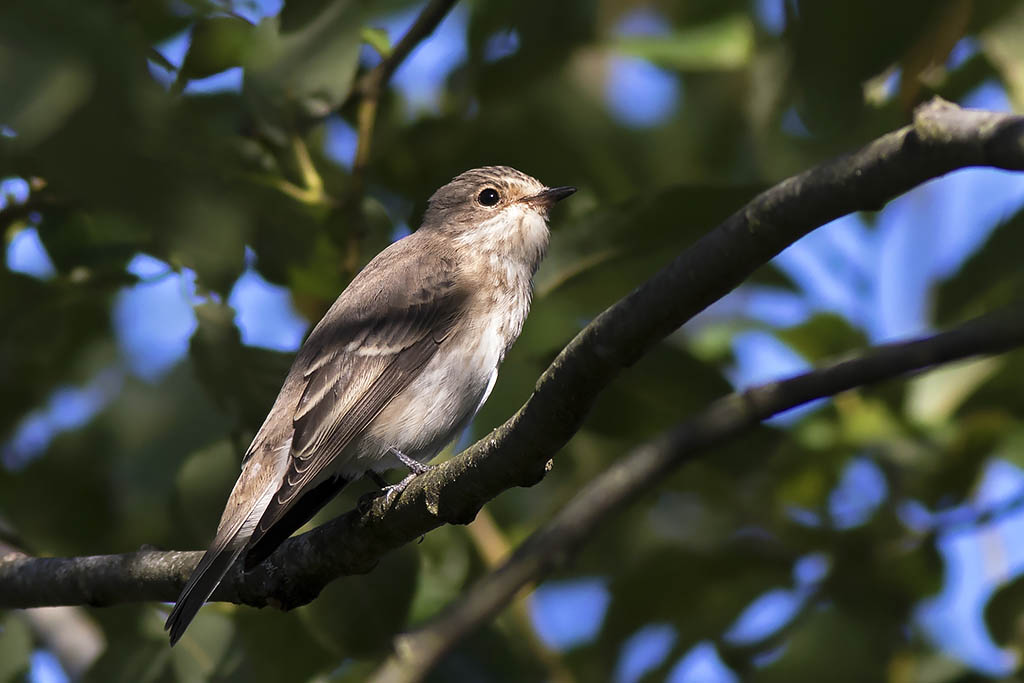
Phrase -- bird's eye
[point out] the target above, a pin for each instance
(489, 197)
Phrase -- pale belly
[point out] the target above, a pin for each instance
(431, 412)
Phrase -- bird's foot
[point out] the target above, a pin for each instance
(390, 492)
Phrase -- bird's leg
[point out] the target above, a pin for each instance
(415, 466)
(392, 491)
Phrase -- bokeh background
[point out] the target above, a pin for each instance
(167, 249)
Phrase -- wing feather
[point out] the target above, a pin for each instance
(358, 368)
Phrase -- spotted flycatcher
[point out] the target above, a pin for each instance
(397, 368)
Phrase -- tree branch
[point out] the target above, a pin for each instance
(941, 139)
(370, 88)
(552, 545)
(374, 81)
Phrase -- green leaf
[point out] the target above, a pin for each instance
(832, 646)
(700, 594)
(1004, 613)
(308, 71)
(726, 43)
(203, 483)
(445, 563)
(933, 397)
(242, 380)
(661, 389)
(218, 43)
(378, 39)
(605, 253)
(1002, 45)
(358, 616)
(824, 336)
(200, 653)
(15, 647)
(990, 278)
(211, 240)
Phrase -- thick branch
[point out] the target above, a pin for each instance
(942, 138)
(553, 544)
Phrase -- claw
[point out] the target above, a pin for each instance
(390, 493)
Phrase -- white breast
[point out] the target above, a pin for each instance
(444, 398)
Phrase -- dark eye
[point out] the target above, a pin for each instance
(489, 197)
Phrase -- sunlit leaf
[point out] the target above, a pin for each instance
(727, 43)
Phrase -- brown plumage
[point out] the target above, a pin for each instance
(401, 362)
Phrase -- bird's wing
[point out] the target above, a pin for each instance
(359, 360)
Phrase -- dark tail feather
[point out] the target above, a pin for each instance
(274, 527)
(207, 574)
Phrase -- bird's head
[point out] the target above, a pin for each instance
(495, 209)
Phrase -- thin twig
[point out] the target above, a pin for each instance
(369, 89)
(374, 81)
(311, 179)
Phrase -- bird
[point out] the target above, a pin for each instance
(394, 371)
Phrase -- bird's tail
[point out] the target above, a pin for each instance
(204, 580)
(233, 533)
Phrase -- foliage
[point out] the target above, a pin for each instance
(119, 165)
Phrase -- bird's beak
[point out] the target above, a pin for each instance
(550, 196)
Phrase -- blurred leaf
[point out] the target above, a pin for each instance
(1001, 393)
(1004, 613)
(933, 48)
(211, 241)
(488, 655)
(203, 483)
(378, 40)
(838, 45)
(603, 255)
(217, 44)
(727, 43)
(359, 616)
(44, 81)
(699, 594)
(824, 336)
(665, 386)
(199, 655)
(95, 247)
(990, 278)
(15, 647)
(1011, 435)
(141, 654)
(830, 645)
(867, 421)
(1001, 43)
(934, 396)
(271, 645)
(445, 559)
(53, 334)
(951, 471)
(305, 71)
(242, 380)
